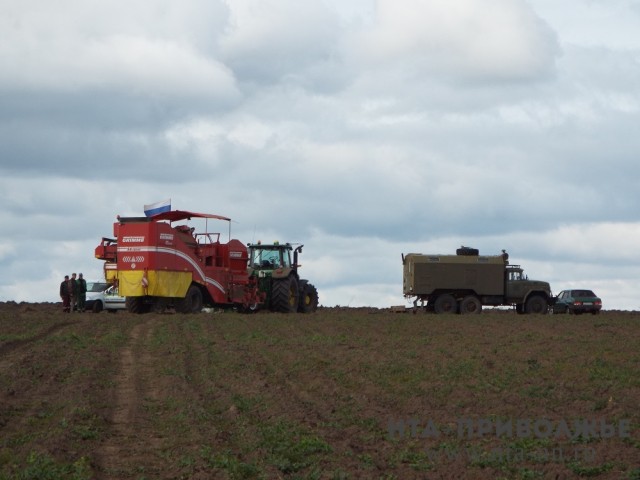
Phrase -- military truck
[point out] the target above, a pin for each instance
(464, 282)
(276, 275)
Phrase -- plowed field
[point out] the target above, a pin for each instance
(339, 394)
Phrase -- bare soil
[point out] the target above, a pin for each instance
(338, 394)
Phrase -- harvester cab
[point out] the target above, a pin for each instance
(275, 266)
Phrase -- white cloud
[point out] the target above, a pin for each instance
(501, 39)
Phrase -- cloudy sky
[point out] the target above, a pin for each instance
(362, 128)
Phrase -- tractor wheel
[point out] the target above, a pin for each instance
(284, 296)
(446, 304)
(308, 299)
(536, 304)
(136, 305)
(192, 302)
(470, 304)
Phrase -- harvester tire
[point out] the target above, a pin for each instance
(285, 295)
(308, 299)
(192, 302)
(136, 305)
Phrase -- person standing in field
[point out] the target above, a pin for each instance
(82, 292)
(64, 294)
(73, 291)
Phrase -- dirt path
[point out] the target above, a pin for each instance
(132, 443)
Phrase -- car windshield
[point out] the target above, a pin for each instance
(583, 293)
(96, 286)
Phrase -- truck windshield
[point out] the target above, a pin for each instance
(515, 275)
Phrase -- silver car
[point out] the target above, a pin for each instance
(103, 296)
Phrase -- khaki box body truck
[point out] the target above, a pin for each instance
(464, 282)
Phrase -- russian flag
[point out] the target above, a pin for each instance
(158, 207)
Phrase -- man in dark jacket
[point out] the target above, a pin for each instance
(82, 292)
(73, 291)
(64, 294)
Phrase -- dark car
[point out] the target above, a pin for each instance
(577, 301)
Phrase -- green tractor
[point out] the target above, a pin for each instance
(278, 278)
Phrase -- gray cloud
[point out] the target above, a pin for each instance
(363, 130)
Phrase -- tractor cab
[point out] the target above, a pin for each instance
(273, 259)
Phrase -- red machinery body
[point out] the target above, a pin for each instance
(151, 258)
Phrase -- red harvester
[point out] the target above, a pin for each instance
(158, 265)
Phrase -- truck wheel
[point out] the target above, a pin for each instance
(284, 296)
(536, 304)
(309, 299)
(446, 304)
(97, 306)
(192, 302)
(470, 304)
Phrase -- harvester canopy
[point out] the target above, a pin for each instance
(177, 215)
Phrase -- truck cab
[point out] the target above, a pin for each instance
(529, 296)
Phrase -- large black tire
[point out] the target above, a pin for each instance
(470, 305)
(136, 305)
(284, 295)
(192, 302)
(536, 305)
(446, 304)
(97, 306)
(308, 299)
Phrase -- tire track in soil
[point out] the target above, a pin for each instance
(13, 351)
(14, 354)
(14, 344)
(132, 443)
